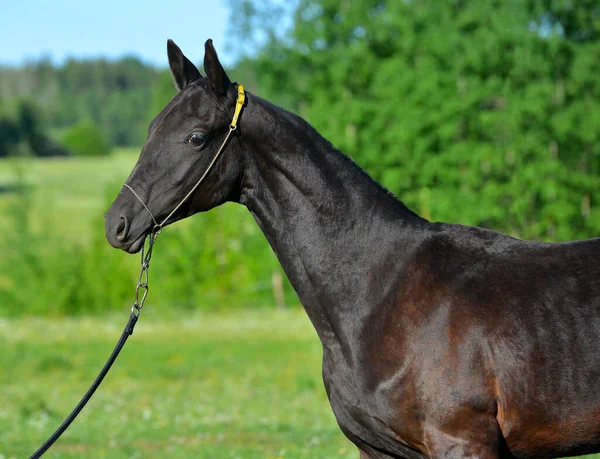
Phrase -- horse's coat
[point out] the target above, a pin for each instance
(438, 340)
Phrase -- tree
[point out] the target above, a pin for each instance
(23, 131)
(114, 95)
(481, 112)
(86, 139)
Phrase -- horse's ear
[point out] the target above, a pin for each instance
(214, 70)
(184, 72)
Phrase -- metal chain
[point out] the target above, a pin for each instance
(141, 290)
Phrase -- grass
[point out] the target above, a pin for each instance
(207, 385)
(196, 385)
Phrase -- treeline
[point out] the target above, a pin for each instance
(483, 112)
(82, 106)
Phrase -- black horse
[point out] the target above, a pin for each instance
(438, 340)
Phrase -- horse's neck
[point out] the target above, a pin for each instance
(332, 227)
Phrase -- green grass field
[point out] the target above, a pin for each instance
(244, 385)
(240, 385)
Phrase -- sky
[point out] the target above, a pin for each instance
(30, 29)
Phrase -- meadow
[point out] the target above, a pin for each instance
(197, 385)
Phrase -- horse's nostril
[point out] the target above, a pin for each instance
(122, 229)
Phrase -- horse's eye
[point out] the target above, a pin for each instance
(196, 138)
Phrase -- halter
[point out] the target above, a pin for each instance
(241, 98)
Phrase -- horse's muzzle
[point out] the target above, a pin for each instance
(119, 232)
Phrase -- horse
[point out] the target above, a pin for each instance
(439, 340)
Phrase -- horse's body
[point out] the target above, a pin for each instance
(438, 340)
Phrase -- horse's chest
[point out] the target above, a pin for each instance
(365, 416)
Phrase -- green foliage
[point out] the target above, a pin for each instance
(114, 95)
(479, 112)
(217, 260)
(23, 131)
(86, 139)
(162, 93)
(56, 261)
(9, 135)
(42, 272)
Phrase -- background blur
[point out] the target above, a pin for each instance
(481, 112)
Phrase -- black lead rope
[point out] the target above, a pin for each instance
(141, 292)
(67, 422)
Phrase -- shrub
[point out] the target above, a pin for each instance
(86, 139)
(218, 260)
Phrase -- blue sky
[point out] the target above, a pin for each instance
(58, 29)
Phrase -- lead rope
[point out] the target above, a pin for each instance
(127, 332)
(141, 290)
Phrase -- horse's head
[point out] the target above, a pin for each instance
(182, 141)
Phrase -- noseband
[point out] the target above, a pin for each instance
(241, 98)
